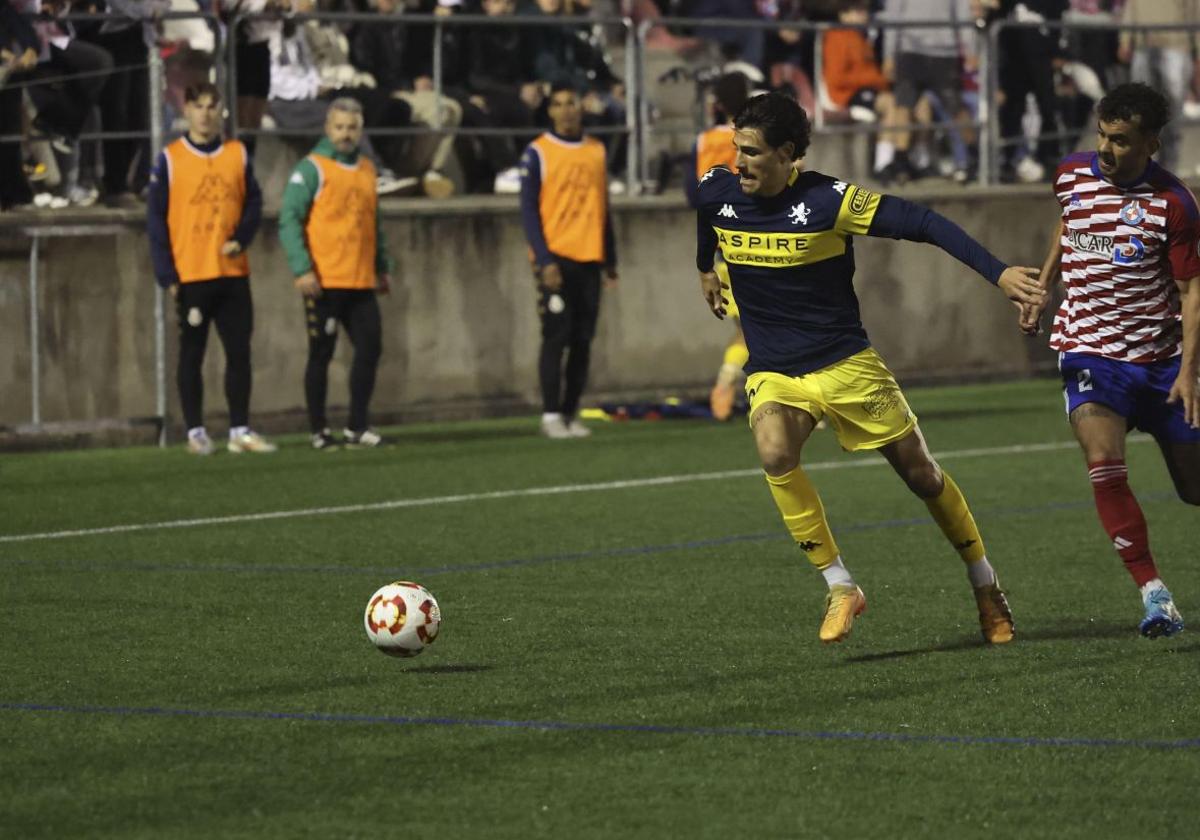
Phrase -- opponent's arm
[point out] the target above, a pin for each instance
(1031, 313)
(1186, 387)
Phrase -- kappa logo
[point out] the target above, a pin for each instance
(809, 545)
(799, 214)
(1132, 213)
(727, 212)
(839, 187)
(711, 173)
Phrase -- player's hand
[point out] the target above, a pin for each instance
(231, 248)
(383, 283)
(1030, 319)
(713, 290)
(1020, 284)
(610, 278)
(1186, 389)
(174, 290)
(550, 277)
(308, 285)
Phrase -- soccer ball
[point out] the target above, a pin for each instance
(402, 618)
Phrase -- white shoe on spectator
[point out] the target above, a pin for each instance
(554, 427)
(862, 114)
(386, 183)
(616, 187)
(577, 429)
(1029, 171)
(82, 196)
(365, 439)
(508, 182)
(437, 185)
(49, 201)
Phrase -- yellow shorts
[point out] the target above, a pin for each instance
(731, 308)
(858, 395)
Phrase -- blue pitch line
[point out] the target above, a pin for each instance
(543, 559)
(630, 728)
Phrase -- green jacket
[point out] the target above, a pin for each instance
(298, 197)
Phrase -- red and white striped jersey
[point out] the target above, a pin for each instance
(1123, 247)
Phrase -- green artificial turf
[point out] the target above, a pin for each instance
(619, 658)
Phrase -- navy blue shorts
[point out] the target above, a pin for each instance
(1137, 391)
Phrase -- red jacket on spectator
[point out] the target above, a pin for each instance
(849, 65)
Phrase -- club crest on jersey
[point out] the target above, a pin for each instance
(727, 211)
(1132, 213)
(1075, 202)
(1129, 253)
(799, 214)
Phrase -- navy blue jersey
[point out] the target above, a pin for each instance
(791, 261)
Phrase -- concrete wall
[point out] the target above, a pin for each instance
(461, 332)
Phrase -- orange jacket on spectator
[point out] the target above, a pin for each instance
(849, 65)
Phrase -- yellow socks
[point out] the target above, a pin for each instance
(952, 515)
(804, 516)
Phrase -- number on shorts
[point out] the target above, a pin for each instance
(1085, 380)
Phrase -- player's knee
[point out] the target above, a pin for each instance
(777, 457)
(925, 480)
(320, 350)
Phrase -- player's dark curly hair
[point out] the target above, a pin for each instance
(779, 118)
(1135, 100)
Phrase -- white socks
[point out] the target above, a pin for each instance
(981, 573)
(836, 574)
(238, 431)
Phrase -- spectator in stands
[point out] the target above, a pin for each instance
(1027, 58)
(329, 228)
(382, 49)
(854, 80)
(252, 54)
(18, 56)
(300, 97)
(564, 210)
(568, 55)
(1162, 58)
(925, 61)
(502, 86)
(204, 208)
(736, 43)
(124, 102)
(70, 77)
(788, 60)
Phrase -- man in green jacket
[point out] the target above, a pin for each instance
(329, 227)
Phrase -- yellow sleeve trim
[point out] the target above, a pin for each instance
(857, 210)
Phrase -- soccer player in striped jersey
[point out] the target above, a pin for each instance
(1128, 332)
(786, 235)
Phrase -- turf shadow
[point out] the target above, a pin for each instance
(464, 668)
(973, 643)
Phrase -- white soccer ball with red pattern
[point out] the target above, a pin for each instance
(402, 618)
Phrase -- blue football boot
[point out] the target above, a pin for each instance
(1162, 617)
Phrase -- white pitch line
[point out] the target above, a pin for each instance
(397, 504)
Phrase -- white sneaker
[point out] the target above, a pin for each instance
(555, 428)
(250, 442)
(508, 182)
(199, 443)
(82, 196)
(363, 439)
(1029, 171)
(577, 430)
(386, 183)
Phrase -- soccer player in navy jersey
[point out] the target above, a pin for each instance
(1128, 332)
(786, 237)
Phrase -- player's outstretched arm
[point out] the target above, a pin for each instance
(714, 292)
(1030, 319)
(1186, 387)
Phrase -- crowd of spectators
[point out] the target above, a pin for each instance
(63, 79)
